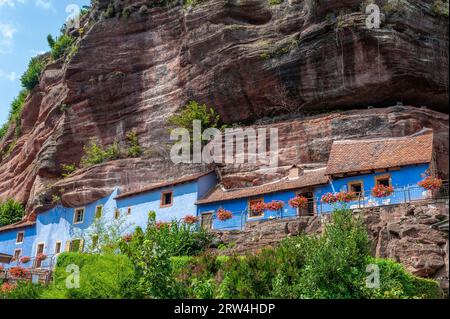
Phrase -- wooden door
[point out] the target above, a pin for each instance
(207, 219)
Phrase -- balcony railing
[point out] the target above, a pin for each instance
(361, 200)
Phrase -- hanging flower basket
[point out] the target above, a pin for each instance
(329, 198)
(189, 219)
(274, 206)
(258, 208)
(41, 257)
(344, 197)
(223, 214)
(380, 191)
(431, 183)
(298, 202)
(24, 260)
(18, 272)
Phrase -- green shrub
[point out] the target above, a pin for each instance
(274, 2)
(31, 76)
(23, 290)
(15, 113)
(10, 212)
(397, 283)
(101, 277)
(152, 252)
(61, 45)
(194, 111)
(134, 149)
(440, 7)
(93, 154)
(68, 169)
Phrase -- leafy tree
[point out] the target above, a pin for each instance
(10, 212)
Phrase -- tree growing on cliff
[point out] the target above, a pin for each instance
(31, 76)
(10, 212)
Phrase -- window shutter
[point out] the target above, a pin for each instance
(81, 245)
(67, 245)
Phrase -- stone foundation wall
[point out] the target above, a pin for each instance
(402, 233)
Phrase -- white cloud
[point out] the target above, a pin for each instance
(6, 36)
(7, 30)
(45, 4)
(11, 76)
(10, 3)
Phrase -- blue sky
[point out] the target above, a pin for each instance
(24, 26)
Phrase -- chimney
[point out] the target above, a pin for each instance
(294, 172)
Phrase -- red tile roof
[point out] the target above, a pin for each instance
(308, 178)
(21, 224)
(154, 186)
(349, 156)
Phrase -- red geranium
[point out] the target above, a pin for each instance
(382, 191)
(189, 219)
(258, 208)
(329, 198)
(5, 288)
(160, 225)
(344, 197)
(298, 202)
(274, 205)
(431, 183)
(41, 257)
(18, 272)
(25, 259)
(223, 214)
(1, 267)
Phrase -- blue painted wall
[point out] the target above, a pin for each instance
(184, 197)
(8, 242)
(56, 225)
(239, 209)
(405, 178)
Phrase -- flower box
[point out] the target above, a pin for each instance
(223, 214)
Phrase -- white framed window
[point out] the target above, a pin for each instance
(58, 247)
(78, 216)
(17, 253)
(20, 237)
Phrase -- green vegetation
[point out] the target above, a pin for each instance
(440, 7)
(68, 169)
(10, 212)
(274, 2)
(194, 111)
(169, 260)
(61, 45)
(193, 3)
(134, 149)
(94, 153)
(31, 76)
(15, 113)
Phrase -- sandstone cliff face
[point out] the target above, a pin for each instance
(247, 59)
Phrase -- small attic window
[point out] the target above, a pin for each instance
(20, 236)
